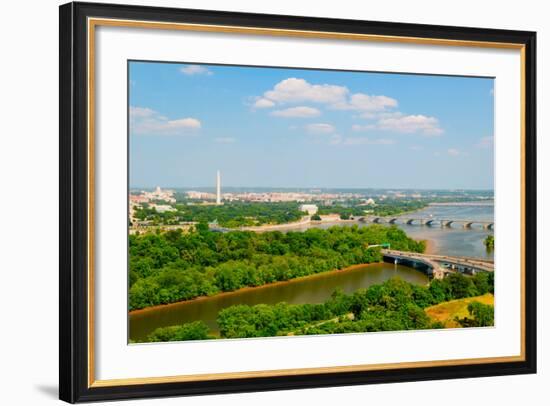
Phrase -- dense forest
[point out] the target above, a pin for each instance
(174, 266)
(390, 306)
(243, 214)
(391, 207)
(230, 214)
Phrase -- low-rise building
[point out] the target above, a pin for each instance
(162, 208)
(309, 208)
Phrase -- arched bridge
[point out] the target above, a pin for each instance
(429, 221)
(438, 265)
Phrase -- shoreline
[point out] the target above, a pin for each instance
(430, 247)
(285, 226)
(464, 204)
(248, 288)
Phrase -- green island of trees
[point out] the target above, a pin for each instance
(382, 208)
(176, 266)
(390, 306)
(489, 242)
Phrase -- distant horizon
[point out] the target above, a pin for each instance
(318, 188)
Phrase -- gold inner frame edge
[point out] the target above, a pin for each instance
(94, 22)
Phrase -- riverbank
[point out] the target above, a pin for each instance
(332, 218)
(465, 204)
(275, 227)
(430, 247)
(306, 290)
(250, 288)
(306, 221)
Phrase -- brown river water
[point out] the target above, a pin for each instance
(310, 289)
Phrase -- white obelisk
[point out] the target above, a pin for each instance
(218, 189)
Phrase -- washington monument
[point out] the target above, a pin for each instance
(218, 188)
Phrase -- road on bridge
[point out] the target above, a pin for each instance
(442, 264)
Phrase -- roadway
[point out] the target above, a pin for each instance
(443, 264)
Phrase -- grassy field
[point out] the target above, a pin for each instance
(447, 311)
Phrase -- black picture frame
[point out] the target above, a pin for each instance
(74, 385)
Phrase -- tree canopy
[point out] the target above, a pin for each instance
(174, 266)
(390, 306)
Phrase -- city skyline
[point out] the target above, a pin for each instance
(295, 128)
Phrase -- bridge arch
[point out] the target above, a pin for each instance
(432, 221)
(415, 220)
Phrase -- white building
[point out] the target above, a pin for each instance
(309, 208)
(162, 208)
(218, 188)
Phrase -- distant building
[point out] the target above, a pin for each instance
(162, 208)
(309, 208)
(138, 199)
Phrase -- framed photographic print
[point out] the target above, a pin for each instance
(257, 202)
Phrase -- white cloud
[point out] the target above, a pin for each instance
(141, 112)
(411, 124)
(379, 108)
(299, 112)
(485, 142)
(191, 70)
(183, 123)
(397, 122)
(294, 90)
(416, 148)
(225, 140)
(320, 128)
(367, 103)
(262, 103)
(453, 152)
(146, 121)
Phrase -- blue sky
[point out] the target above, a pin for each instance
(275, 127)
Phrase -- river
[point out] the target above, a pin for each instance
(453, 240)
(311, 289)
